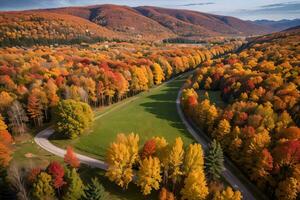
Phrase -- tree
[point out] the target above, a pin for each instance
(57, 172)
(228, 194)
(71, 158)
(222, 130)
(73, 118)
(164, 194)
(176, 160)
(263, 165)
(43, 188)
(149, 148)
(34, 108)
(287, 189)
(201, 112)
(17, 181)
(214, 162)
(3, 126)
(149, 175)
(121, 156)
(17, 118)
(32, 174)
(287, 153)
(158, 74)
(195, 187)
(291, 133)
(6, 100)
(193, 159)
(139, 80)
(5, 144)
(95, 191)
(5, 136)
(211, 117)
(75, 187)
(51, 90)
(162, 152)
(5, 155)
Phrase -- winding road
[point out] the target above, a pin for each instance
(41, 139)
(228, 174)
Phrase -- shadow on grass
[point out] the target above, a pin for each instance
(163, 106)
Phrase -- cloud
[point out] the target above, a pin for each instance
(286, 10)
(197, 4)
(281, 7)
(288, 7)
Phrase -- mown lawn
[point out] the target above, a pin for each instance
(149, 114)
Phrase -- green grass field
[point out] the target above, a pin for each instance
(148, 114)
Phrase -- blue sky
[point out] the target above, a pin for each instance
(244, 9)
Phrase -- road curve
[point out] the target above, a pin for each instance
(204, 141)
(42, 138)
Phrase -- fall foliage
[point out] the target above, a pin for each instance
(70, 158)
(5, 144)
(255, 114)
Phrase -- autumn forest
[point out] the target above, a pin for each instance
(130, 103)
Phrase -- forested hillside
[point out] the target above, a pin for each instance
(33, 28)
(33, 81)
(258, 121)
(71, 25)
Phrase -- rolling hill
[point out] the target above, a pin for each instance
(187, 22)
(35, 27)
(279, 25)
(121, 19)
(118, 22)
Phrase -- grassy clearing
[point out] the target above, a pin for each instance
(151, 114)
(28, 154)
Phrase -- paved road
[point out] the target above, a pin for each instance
(204, 141)
(41, 139)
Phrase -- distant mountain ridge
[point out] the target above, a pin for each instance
(123, 22)
(145, 20)
(278, 25)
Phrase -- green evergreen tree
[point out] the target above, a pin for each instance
(75, 187)
(95, 191)
(214, 161)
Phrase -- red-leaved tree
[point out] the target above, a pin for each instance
(56, 170)
(149, 148)
(70, 158)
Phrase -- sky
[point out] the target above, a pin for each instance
(244, 9)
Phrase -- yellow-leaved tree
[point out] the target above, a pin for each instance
(287, 189)
(162, 149)
(121, 156)
(195, 187)
(193, 159)
(222, 130)
(158, 74)
(228, 194)
(175, 160)
(149, 175)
